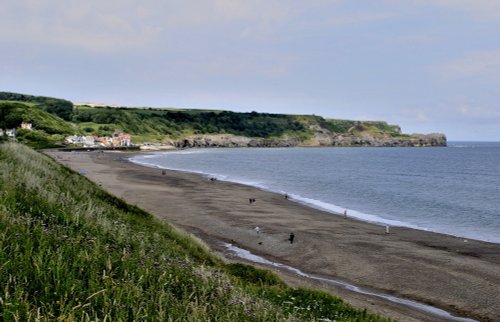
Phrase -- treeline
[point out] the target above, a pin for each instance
(156, 124)
(48, 130)
(147, 121)
(56, 106)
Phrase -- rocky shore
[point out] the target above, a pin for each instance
(323, 139)
(360, 134)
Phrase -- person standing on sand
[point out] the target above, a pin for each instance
(292, 236)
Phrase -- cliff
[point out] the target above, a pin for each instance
(357, 136)
(337, 140)
(163, 128)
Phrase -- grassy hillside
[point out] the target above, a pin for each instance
(148, 124)
(176, 123)
(70, 251)
(61, 108)
(48, 130)
(53, 118)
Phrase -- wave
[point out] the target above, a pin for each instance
(337, 210)
(334, 209)
(313, 203)
(245, 254)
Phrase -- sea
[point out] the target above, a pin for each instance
(453, 190)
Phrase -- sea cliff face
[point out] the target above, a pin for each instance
(359, 134)
(364, 139)
(324, 139)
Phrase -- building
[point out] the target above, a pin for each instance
(26, 126)
(124, 139)
(11, 133)
(104, 141)
(119, 139)
(86, 141)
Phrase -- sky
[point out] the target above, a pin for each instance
(427, 65)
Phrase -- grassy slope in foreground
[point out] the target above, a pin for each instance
(71, 251)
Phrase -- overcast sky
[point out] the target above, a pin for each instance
(427, 65)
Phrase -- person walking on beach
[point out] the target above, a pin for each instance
(292, 236)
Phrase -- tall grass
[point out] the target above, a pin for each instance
(70, 251)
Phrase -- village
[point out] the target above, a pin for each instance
(11, 133)
(118, 139)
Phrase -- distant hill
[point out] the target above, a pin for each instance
(53, 118)
(56, 106)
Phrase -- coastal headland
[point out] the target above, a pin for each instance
(45, 122)
(458, 275)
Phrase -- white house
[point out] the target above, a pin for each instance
(26, 126)
(11, 133)
(88, 140)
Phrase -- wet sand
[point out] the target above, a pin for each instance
(459, 275)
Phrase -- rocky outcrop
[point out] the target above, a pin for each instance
(358, 135)
(321, 138)
(229, 141)
(365, 139)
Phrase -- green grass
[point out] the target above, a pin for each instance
(13, 114)
(55, 118)
(48, 129)
(25, 103)
(179, 123)
(70, 251)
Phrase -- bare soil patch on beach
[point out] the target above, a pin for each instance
(452, 273)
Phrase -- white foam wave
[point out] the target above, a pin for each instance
(317, 204)
(314, 203)
(245, 254)
(332, 208)
(202, 173)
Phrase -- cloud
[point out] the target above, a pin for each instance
(416, 39)
(413, 115)
(479, 64)
(478, 112)
(481, 9)
(89, 25)
(359, 18)
(115, 25)
(213, 66)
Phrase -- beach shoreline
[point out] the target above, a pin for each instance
(441, 270)
(303, 199)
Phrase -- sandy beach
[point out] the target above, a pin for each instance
(455, 274)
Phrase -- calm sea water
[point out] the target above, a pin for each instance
(453, 190)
